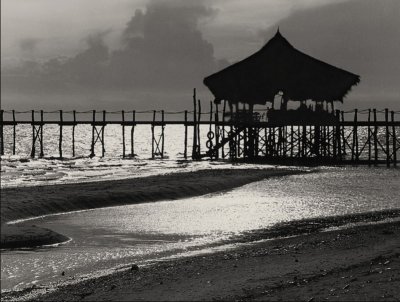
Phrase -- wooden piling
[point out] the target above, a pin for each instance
(123, 133)
(1, 132)
(73, 133)
(194, 145)
(61, 136)
(133, 133)
(343, 137)
(162, 133)
(369, 139)
(93, 129)
(291, 141)
(33, 150)
(223, 129)
(41, 134)
(14, 131)
(186, 135)
(387, 137)
(198, 129)
(304, 142)
(317, 139)
(354, 146)
(152, 135)
(337, 134)
(103, 149)
(394, 140)
(217, 130)
(375, 137)
(209, 142)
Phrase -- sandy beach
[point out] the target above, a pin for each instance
(27, 202)
(360, 263)
(338, 258)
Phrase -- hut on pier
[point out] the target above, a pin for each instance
(278, 70)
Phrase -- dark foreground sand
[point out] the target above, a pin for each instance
(26, 202)
(354, 264)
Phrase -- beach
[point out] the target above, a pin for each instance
(28, 202)
(348, 257)
(354, 263)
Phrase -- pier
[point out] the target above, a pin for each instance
(354, 137)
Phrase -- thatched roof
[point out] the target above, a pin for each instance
(276, 67)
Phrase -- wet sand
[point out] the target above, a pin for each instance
(26, 202)
(351, 264)
(310, 264)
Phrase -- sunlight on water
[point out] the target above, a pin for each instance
(22, 171)
(106, 237)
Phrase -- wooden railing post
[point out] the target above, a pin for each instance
(394, 140)
(14, 132)
(194, 146)
(41, 134)
(73, 133)
(216, 130)
(133, 133)
(152, 135)
(369, 136)
(93, 138)
(375, 137)
(103, 149)
(387, 137)
(123, 134)
(61, 135)
(186, 135)
(1, 133)
(33, 149)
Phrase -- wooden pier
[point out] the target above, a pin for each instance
(369, 136)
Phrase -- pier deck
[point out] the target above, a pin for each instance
(367, 137)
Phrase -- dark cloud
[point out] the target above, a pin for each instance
(161, 48)
(28, 45)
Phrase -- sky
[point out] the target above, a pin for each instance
(144, 53)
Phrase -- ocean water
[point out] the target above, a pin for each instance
(21, 170)
(103, 239)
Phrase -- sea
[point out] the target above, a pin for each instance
(108, 239)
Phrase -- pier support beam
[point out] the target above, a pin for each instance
(157, 143)
(133, 133)
(14, 132)
(1, 133)
(60, 139)
(73, 133)
(98, 134)
(37, 134)
(394, 140)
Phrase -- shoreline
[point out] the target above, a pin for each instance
(359, 262)
(29, 202)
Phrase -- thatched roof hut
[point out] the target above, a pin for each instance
(279, 67)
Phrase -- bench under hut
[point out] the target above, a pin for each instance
(279, 69)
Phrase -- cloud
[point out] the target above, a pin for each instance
(28, 45)
(161, 47)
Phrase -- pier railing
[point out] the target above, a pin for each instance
(358, 137)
